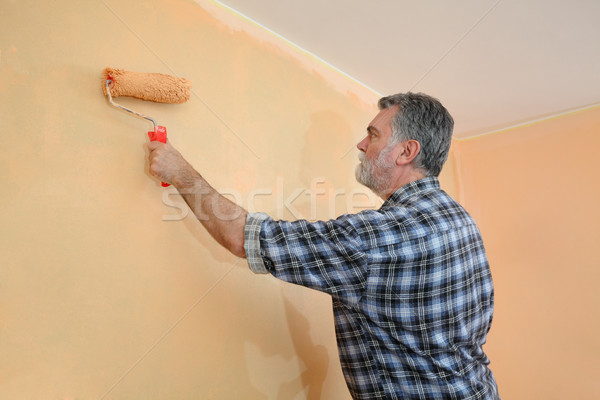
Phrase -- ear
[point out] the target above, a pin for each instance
(408, 151)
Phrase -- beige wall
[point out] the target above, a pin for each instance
(535, 193)
(98, 293)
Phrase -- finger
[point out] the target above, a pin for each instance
(154, 145)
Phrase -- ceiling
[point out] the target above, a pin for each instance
(493, 63)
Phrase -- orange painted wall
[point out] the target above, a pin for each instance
(535, 192)
(106, 291)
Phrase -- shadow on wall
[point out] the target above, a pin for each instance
(325, 188)
(278, 371)
(329, 134)
(314, 358)
(327, 170)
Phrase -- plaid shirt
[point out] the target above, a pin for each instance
(411, 287)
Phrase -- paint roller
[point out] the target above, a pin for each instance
(160, 88)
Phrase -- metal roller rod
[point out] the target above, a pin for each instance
(110, 100)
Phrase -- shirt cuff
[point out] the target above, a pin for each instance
(252, 242)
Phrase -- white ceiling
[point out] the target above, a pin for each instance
(493, 63)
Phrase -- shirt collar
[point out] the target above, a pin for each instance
(412, 188)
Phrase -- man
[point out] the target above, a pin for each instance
(410, 282)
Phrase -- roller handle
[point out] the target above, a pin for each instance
(159, 134)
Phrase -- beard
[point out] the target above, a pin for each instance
(375, 174)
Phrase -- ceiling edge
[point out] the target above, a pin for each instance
(530, 122)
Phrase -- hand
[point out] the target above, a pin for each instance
(167, 164)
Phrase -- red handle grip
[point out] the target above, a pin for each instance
(159, 134)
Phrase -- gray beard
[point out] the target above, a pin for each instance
(375, 174)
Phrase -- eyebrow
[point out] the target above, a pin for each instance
(372, 129)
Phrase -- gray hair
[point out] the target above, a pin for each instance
(424, 119)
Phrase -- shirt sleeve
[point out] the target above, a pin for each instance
(252, 242)
(326, 255)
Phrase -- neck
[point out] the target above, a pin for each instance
(404, 177)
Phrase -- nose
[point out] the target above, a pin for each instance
(362, 145)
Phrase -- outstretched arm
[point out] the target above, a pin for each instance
(221, 217)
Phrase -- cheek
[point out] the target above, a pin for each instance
(372, 154)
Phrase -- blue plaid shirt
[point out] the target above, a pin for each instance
(411, 287)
